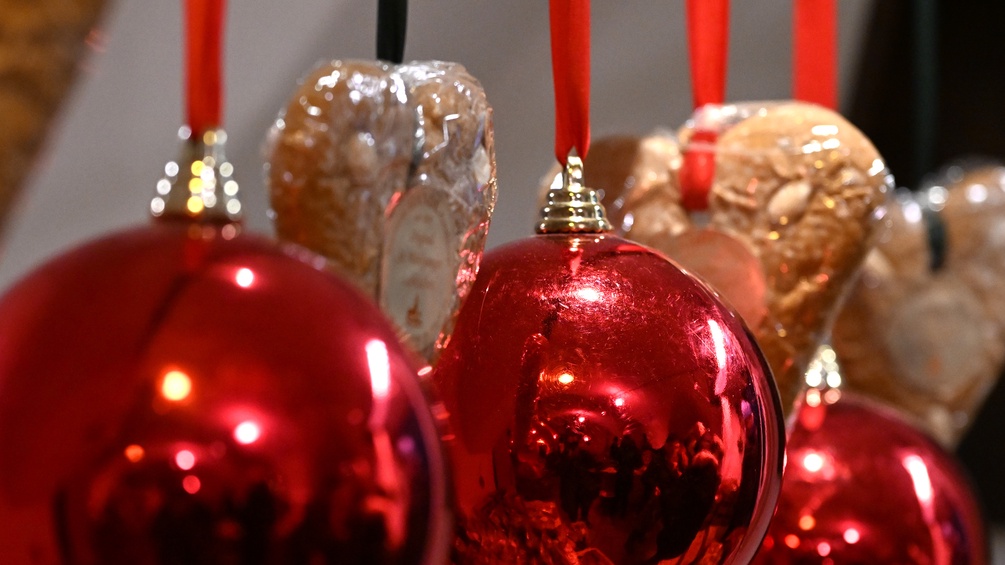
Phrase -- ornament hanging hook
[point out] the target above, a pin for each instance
(572, 207)
(199, 186)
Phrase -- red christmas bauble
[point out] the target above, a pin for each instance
(181, 394)
(608, 408)
(863, 486)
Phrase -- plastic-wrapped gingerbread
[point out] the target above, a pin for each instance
(41, 44)
(924, 328)
(792, 209)
(389, 172)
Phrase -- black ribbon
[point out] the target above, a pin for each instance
(937, 237)
(926, 85)
(392, 22)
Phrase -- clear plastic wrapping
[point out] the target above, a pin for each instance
(793, 205)
(389, 172)
(924, 328)
(803, 188)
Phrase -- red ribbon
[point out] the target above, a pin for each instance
(708, 45)
(204, 38)
(698, 170)
(815, 52)
(570, 64)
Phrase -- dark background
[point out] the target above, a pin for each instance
(931, 90)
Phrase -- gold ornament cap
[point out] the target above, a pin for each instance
(199, 186)
(571, 207)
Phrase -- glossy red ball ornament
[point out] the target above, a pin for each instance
(182, 394)
(863, 486)
(608, 408)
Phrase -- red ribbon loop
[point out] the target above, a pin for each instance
(203, 45)
(570, 63)
(708, 46)
(815, 52)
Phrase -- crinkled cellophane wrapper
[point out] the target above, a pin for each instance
(41, 45)
(794, 207)
(930, 338)
(389, 172)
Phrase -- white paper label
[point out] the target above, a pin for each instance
(420, 270)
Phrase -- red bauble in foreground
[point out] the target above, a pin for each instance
(607, 409)
(179, 394)
(863, 486)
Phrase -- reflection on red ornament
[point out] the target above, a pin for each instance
(183, 394)
(863, 486)
(247, 432)
(607, 409)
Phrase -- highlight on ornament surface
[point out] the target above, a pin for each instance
(862, 485)
(389, 172)
(924, 327)
(605, 406)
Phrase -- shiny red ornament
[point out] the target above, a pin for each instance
(182, 394)
(863, 486)
(608, 408)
